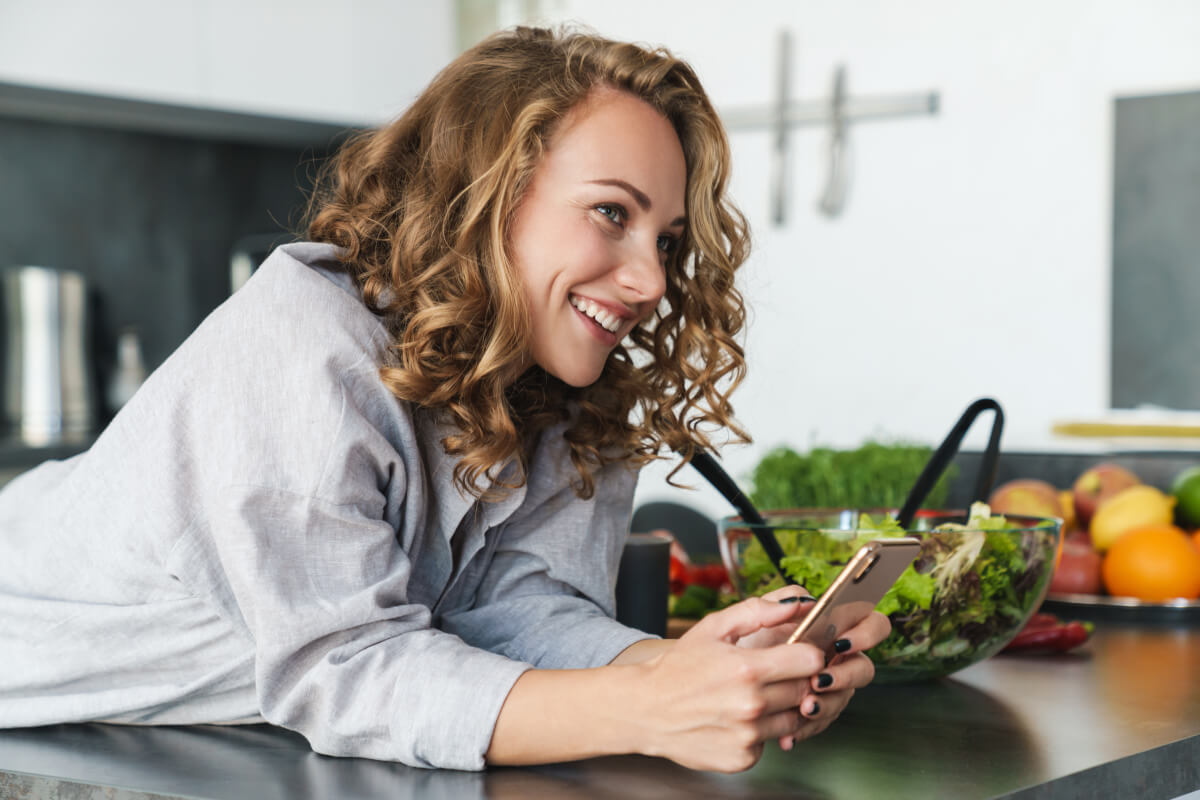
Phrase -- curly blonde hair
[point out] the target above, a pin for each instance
(421, 209)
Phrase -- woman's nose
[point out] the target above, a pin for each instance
(643, 273)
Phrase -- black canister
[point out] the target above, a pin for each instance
(643, 582)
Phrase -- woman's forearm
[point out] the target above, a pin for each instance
(561, 715)
(642, 651)
(564, 715)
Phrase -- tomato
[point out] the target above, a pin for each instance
(678, 575)
(713, 576)
(682, 574)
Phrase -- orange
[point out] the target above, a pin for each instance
(1153, 563)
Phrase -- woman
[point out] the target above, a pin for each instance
(378, 497)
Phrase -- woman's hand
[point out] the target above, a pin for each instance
(702, 700)
(778, 634)
(833, 686)
(831, 689)
(710, 704)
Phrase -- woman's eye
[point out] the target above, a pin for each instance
(667, 243)
(613, 213)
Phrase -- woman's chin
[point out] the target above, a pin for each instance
(578, 375)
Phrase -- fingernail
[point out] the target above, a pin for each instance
(824, 680)
(816, 709)
(790, 600)
(841, 645)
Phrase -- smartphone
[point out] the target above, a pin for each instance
(856, 591)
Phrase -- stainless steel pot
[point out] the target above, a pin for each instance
(48, 393)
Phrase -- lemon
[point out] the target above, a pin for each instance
(1186, 490)
(1128, 509)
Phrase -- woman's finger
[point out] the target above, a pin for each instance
(818, 714)
(794, 596)
(872, 630)
(783, 695)
(826, 706)
(780, 724)
(790, 590)
(744, 618)
(811, 727)
(852, 671)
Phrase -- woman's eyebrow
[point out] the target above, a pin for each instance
(640, 197)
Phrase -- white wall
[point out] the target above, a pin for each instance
(345, 61)
(974, 254)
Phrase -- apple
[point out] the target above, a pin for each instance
(1096, 485)
(1078, 570)
(1026, 496)
(1078, 535)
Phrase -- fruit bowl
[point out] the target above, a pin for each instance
(974, 585)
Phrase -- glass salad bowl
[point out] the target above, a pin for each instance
(974, 585)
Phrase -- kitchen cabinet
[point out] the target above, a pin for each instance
(147, 202)
(352, 63)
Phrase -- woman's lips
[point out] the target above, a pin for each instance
(603, 315)
(606, 337)
(602, 320)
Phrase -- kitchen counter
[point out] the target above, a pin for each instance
(1118, 718)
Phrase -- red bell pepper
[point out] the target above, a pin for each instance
(1046, 632)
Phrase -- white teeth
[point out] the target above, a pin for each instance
(603, 318)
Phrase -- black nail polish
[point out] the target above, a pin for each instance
(790, 600)
(824, 680)
(816, 709)
(807, 599)
(841, 645)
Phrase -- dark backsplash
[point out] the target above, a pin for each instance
(1155, 467)
(149, 218)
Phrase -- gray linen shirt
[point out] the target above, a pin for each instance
(265, 533)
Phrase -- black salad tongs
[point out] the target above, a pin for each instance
(716, 475)
(946, 452)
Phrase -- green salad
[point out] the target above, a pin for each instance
(969, 589)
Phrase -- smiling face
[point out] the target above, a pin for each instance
(591, 237)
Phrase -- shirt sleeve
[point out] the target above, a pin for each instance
(341, 656)
(290, 494)
(548, 595)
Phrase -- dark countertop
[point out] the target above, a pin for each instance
(1119, 718)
